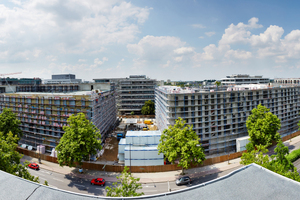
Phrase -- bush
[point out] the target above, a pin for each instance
(294, 155)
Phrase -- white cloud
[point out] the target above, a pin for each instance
(239, 33)
(201, 37)
(184, 50)
(198, 26)
(51, 58)
(167, 64)
(270, 37)
(151, 47)
(67, 27)
(81, 60)
(238, 54)
(178, 59)
(98, 62)
(209, 34)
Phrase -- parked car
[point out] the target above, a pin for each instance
(183, 180)
(34, 166)
(98, 181)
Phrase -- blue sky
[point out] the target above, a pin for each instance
(163, 39)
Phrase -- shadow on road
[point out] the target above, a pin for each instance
(83, 184)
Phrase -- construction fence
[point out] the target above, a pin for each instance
(144, 169)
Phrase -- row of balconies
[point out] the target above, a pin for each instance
(182, 103)
(228, 95)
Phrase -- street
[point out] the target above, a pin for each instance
(69, 183)
(78, 185)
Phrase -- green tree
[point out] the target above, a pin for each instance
(80, 140)
(276, 163)
(9, 122)
(46, 183)
(262, 126)
(180, 142)
(148, 108)
(127, 187)
(10, 158)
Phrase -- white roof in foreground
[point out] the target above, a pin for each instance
(250, 182)
(143, 133)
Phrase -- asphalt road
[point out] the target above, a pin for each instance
(78, 185)
(157, 188)
(69, 183)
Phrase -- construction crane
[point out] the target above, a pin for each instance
(11, 74)
(6, 79)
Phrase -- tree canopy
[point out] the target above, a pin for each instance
(127, 187)
(80, 140)
(262, 126)
(9, 122)
(180, 142)
(148, 108)
(217, 83)
(10, 158)
(277, 163)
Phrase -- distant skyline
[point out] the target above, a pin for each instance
(169, 39)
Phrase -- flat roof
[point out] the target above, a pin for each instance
(249, 182)
(77, 93)
(142, 133)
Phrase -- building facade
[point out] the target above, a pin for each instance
(43, 115)
(219, 117)
(287, 80)
(62, 78)
(239, 79)
(132, 92)
(139, 148)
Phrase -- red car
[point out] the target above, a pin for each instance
(98, 181)
(33, 166)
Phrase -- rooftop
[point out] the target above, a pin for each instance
(77, 93)
(249, 182)
(142, 133)
(186, 90)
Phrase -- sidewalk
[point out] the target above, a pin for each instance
(153, 177)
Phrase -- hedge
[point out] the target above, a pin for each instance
(294, 155)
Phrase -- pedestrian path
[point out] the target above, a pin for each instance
(293, 144)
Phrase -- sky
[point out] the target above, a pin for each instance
(186, 40)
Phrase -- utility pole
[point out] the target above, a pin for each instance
(130, 156)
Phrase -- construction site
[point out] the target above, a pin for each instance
(111, 146)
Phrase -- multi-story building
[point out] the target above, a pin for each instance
(71, 87)
(239, 79)
(139, 148)
(287, 80)
(132, 92)
(43, 115)
(219, 117)
(10, 84)
(62, 79)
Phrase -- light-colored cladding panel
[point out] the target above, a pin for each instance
(121, 156)
(142, 154)
(241, 143)
(143, 140)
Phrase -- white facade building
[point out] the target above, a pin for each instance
(238, 79)
(219, 117)
(139, 148)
